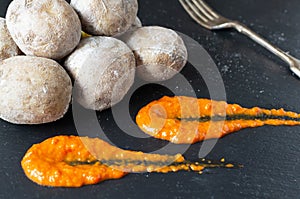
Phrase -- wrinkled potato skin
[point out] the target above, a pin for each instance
(136, 24)
(160, 52)
(33, 90)
(44, 28)
(8, 48)
(103, 69)
(106, 17)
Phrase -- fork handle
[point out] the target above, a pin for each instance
(263, 42)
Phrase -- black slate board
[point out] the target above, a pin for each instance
(252, 77)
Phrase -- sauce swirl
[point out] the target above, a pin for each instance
(185, 120)
(72, 161)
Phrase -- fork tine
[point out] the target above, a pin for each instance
(197, 11)
(203, 10)
(209, 9)
(194, 13)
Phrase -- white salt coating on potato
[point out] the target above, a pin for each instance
(136, 24)
(8, 48)
(160, 52)
(44, 28)
(106, 17)
(33, 90)
(103, 69)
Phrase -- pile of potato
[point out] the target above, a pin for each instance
(42, 49)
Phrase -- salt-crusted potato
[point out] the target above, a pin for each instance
(8, 48)
(160, 52)
(106, 17)
(122, 36)
(136, 24)
(103, 69)
(44, 28)
(33, 90)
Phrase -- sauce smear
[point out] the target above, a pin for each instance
(185, 120)
(72, 161)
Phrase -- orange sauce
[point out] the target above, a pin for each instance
(188, 120)
(72, 161)
(47, 164)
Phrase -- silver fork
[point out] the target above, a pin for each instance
(208, 18)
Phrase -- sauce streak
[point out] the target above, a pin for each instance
(184, 120)
(72, 161)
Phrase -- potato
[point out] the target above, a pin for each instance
(33, 90)
(136, 24)
(45, 28)
(160, 52)
(103, 69)
(122, 36)
(8, 48)
(106, 17)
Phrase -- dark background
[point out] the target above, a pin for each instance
(252, 77)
